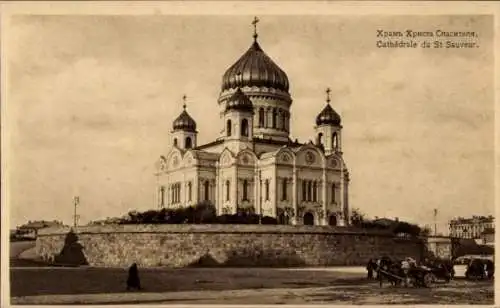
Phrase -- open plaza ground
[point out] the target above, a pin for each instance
(33, 283)
(50, 286)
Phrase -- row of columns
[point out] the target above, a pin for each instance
(190, 192)
(176, 190)
(272, 117)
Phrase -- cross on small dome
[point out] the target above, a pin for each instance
(184, 97)
(254, 23)
(184, 121)
(328, 115)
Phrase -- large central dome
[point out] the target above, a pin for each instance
(255, 69)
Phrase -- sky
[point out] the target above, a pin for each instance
(91, 100)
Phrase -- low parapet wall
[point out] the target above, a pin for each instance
(219, 245)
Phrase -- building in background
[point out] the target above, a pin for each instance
(254, 166)
(472, 228)
(488, 237)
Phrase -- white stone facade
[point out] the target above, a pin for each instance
(253, 165)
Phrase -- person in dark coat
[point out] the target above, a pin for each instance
(490, 268)
(370, 267)
(133, 281)
(379, 267)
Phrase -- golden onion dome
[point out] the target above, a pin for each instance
(257, 70)
(239, 101)
(328, 116)
(184, 122)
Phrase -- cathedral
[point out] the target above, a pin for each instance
(254, 166)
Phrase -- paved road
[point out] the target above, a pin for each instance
(230, 286)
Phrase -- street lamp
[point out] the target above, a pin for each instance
(260, 197)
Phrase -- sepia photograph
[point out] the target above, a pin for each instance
(260, 153)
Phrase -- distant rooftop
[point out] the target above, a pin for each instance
(40, 224)
(473, 219)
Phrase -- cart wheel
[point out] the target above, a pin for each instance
(429, 280)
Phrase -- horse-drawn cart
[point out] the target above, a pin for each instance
(417, 277)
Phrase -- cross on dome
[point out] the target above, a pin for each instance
(254, 23)
(184, 97)
(328, 115)
(184, 121)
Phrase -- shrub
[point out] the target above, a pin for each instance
(202, 213)
(205, 213)
(406, 228)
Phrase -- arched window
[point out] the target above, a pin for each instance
(320, 138)
(228, 127)
(275, 114)
(162, 196)
(205, 188)
(261, 117)
(228, 188)
(333, 193)
(284, 188)
(315, 192)
(188, 143)
(175, 141)
(244, 127)
(190, 190)
(335, 141)
(267, 190)
(281, 219)
(174, 193)
(245, 190)
(332, 221)
(283, 119)
(308, 219)
(309, 190)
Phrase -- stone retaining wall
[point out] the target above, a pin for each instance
(219, 245)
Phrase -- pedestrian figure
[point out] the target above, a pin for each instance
(369, 268)
(491, 269)
(133, 281)
(376, 265)
(379, 272)
(405, 266)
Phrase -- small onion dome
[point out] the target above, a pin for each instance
(257, 70)
(328, 116)
(184, 122)
(239, 101)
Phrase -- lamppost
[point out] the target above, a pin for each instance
(76, 201)
(435, 221)
(260, 197)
